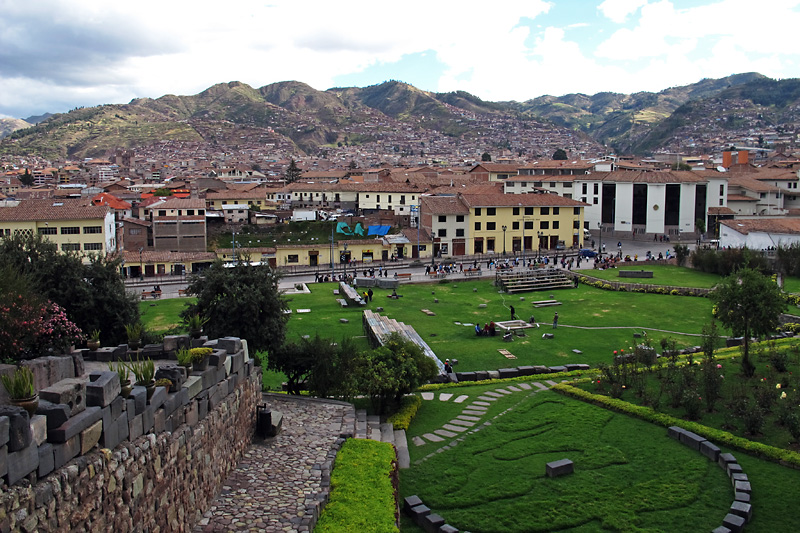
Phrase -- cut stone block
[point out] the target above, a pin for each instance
(745, 510)
(411, 502)
(742, 486)
(47, 460)
(445, 433)
(692, 440)
(102, 388)
(174, 373)
(733, 522)
(19, 427)
(559, 468)
(724, 459)
(193, 385)
(91, 436)
(135, 427)
(431, 523)
(71, 392)
(675, 432)
(508, 373)
(741, 497)
(433, 438)
(710, 450)
(734, 468)
(39, 429)
(75, 425)
(556, 369)
(418, 512)
(64, 452)
(721, 529)
(481, 375)
(22, 462)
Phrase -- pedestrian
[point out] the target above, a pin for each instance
(555, 320)
(370, 293)
(512, 312)
(447, 368)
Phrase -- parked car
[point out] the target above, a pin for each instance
(587, 252)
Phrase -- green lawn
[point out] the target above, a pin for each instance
(593, 321)
(791, 284)
(662, 275)
(628, 475)
(163, 314)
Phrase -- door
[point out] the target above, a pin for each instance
(313, 258)
(459, 247)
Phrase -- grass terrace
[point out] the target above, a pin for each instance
(662, 275)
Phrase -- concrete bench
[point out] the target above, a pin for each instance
(342, 302)
(546, 303)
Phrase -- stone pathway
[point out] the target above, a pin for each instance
(280, 482)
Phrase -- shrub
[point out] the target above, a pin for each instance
(753, 418)
(408, 409)
(691, 402)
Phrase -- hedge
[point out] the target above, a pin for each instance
(363, 489)
(717, 436)
(408, 409)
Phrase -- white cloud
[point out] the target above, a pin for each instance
(619, 10)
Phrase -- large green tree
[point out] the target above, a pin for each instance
(241, 301)
(92, 294)
(749, 303)
(321, 366)
(560, 155)
(292, 172)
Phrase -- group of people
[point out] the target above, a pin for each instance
(489, 330)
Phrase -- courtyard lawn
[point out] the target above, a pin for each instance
(669, 275)
(628, 475)
(163, 315)
(791, 285)
(592, 321)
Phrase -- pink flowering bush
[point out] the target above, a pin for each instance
(30, 328)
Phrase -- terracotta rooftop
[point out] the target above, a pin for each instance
(523, 200)
(766, 225)
(33, 210)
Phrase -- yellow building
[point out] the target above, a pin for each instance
(351, 252)
(254, 197)
(498, 223)
(73, 225)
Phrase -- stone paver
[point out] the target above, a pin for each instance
(279, 482)
(487, 398)
(524, 386)
(512, 388)
(445, 433)
(551, 382)
(473, 413)
(494, 394)
(427, 396)
(469, 418)
(539, 386)
(451, 427)
(461, 398)
(445, 396)
(418, 441)
(476, 407)
(482, 404)
(462, 422)
(502, 391)
(433, 438)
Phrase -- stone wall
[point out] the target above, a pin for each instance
(182, 446)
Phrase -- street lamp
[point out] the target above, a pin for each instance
(141, 265)
(539, 243)
(504, 239)
(600, 229)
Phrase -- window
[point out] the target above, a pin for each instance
(529, 224)
(584, 188)
(377, 197)
(459, 218)
(190, 212)
(516, 211)
(200, 212)
(528, 211)
(544, 224)
(555, 224)
(442, 218)
(70, 247)
(477, 211)
(402, 199)
(163, 212)
(545, 210)
(477, 226)
(490, 245)
(490, 226)
(568, 185)
(537, 183)
(460, 232)
(594, 200)
(576, 224)
(556, 210)
(583, 199)
(70, 230)
(390, 198)
(442, 232)
(292, 258)
(93, 229)
(510, 184)
(722, 190)
(552, 184)
(92, 246)
(491, 211)
(523, 184)
(576, 210)
(762, 195)
(597, 188)
(48, 231)
(515, 225)
(135, 231)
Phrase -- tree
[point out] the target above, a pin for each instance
(26, 178)
(292, 172)
(559, 155)
(749, 303)
(681, 166)
(700, 225)
(681, 253)
(242, 301)
(93, 295)
(486, 156)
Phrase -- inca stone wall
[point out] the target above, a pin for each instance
(162, 480)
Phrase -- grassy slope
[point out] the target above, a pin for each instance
(662, 275)
(628, 474)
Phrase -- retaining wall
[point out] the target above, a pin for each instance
(140, 465)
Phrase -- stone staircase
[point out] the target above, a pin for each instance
(371, 427)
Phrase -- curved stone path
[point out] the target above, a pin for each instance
(471, 418)
(280, 482)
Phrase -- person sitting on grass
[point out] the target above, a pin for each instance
(478, 330)
(492, 329)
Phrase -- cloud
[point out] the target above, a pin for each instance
(619, 10)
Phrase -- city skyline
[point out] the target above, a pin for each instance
(55, 55)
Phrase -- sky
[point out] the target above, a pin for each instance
(56, 55)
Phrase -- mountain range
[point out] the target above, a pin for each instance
(308, 121)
